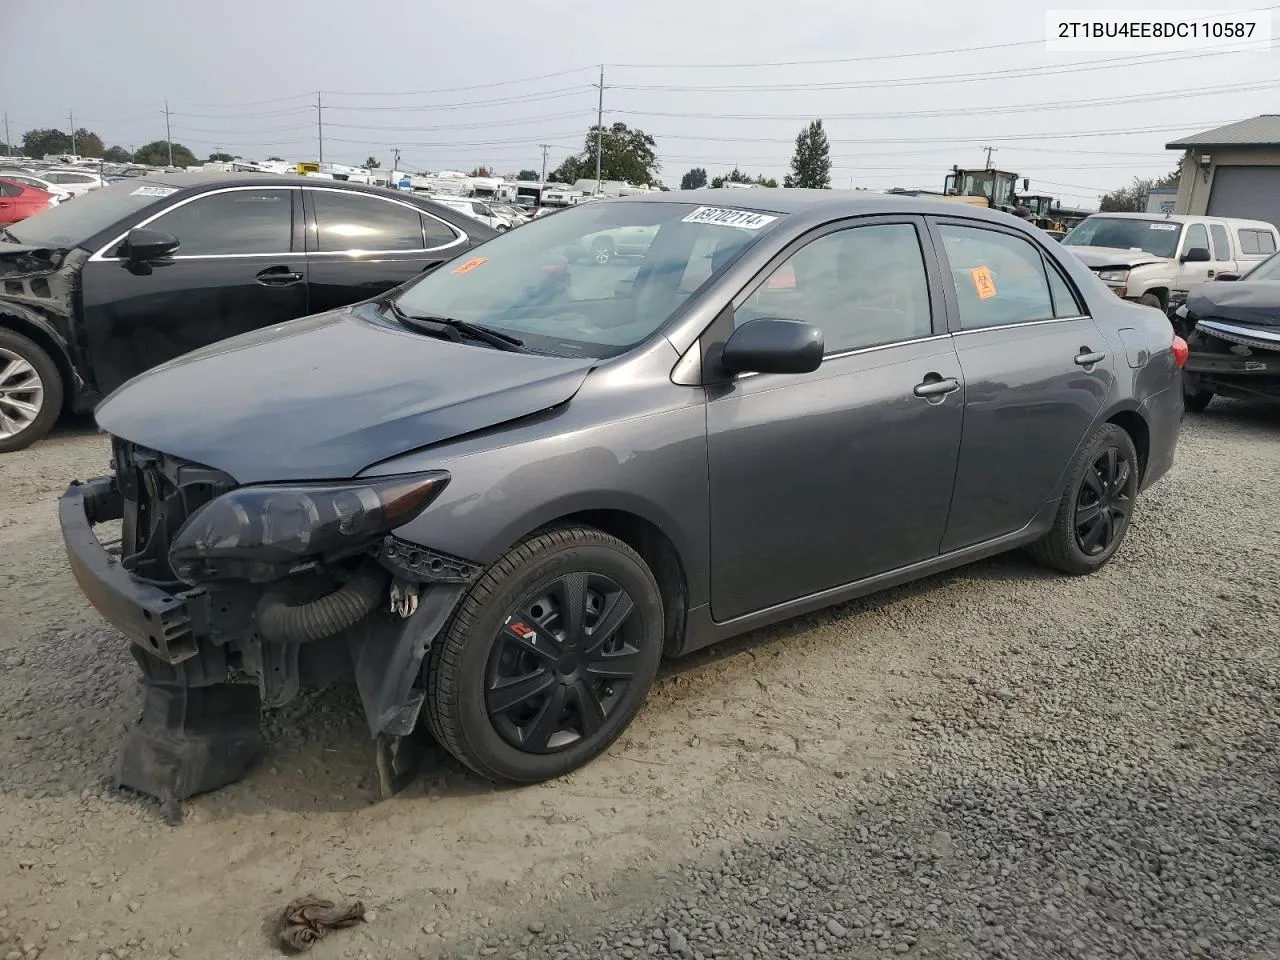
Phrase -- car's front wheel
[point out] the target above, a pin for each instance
(30, 392)
(1096, 507)
(548, 658)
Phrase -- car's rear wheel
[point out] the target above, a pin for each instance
(1197, 401)
(548, 658)
(602, 250)
(1096, 507)
(30, 392)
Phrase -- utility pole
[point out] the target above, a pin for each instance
(8, 144)
(990, 151)
(319, 128)
(72, 120)
(599, 128)
(545, 147)
(395, 165)
(168, 135)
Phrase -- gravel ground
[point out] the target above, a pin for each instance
(994, 763)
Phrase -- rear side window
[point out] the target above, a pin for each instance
(236, 221)
(1221, 247)
(352, 221)
(1065, 303)
(438, 233)
(999, 279)
(1257, 242)
(9, 189)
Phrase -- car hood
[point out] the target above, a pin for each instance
(1241, 301)
(1102, 258)
(326, 396)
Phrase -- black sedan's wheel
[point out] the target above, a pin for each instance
(1096, 507)
(30, 392)
(602, 250)
(548, 658)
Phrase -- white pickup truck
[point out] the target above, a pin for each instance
(1152, 259)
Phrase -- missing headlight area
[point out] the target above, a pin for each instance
(237, 596)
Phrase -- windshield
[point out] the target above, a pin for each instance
(1268, 271)
(71, 224)
(593, 281)
(1156, 237)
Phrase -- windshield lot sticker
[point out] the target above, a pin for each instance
(154, 191)
(1164, 226)
(470, 265)
(983, 282)
(743, 219)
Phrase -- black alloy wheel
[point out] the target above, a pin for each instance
(1097, 506)
(1105, 502)
(561, 663)
(548, 657)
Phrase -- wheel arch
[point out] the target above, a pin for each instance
(40, 332)
(640, 529)
(1131, 421)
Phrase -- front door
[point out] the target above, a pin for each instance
(1036, 373)
(360, 245)
(1195, 237)
(237, 268)
(822, 479)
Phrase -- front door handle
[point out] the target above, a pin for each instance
(278, 277)
(1087, 357)
(936, 387)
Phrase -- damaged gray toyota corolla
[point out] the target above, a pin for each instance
(498, 496)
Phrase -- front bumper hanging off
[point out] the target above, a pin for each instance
(199, 726)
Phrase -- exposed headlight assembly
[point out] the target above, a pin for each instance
(1113, 276)
(259, 533)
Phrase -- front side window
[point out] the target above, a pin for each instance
(234, 221)
(1156, 237)
(999, 279)
(542, 285)
(1197, 238)
(352, 221)
(862, 287)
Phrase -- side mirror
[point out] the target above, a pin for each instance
(773, 346)
(1227, 276)
(143, 245)
(1195, 255)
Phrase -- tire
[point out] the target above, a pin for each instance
(1151, 300)
(602, 251)
(26, 366)
(1196, 401)
(487, 637)
(1064, 547)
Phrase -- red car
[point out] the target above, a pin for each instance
(18, 201)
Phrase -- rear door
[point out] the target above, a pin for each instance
(1224, 258)
(1036, 374)
(239, 266)
(360, 245)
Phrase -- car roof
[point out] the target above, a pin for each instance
(1183, 218)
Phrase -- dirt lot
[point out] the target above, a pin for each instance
(996, 762)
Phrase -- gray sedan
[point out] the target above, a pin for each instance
(497, 497)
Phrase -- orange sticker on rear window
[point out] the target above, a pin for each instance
(983, 282)
(470, 265)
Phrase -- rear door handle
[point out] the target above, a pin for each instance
(278, 277)
(936, 386)
(1087, 358)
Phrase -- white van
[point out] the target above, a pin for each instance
(1152, 258)
(477, 209)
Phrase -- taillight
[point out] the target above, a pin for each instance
(1180, 351)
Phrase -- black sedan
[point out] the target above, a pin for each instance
(1233, 332)
(139, 272)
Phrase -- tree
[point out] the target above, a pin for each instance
(811, 163)
(1133, 198)
(275, 159)
(156, 154)
(530, 175)
(89, 144)
(220, 157)
(695, 178)
(371, 163)
(37, 143)
(480, 172)
(118, 155)
(626, 154)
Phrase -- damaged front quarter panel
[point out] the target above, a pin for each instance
(39, 290)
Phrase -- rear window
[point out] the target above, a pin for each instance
(1257, 242)
(72, 224)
